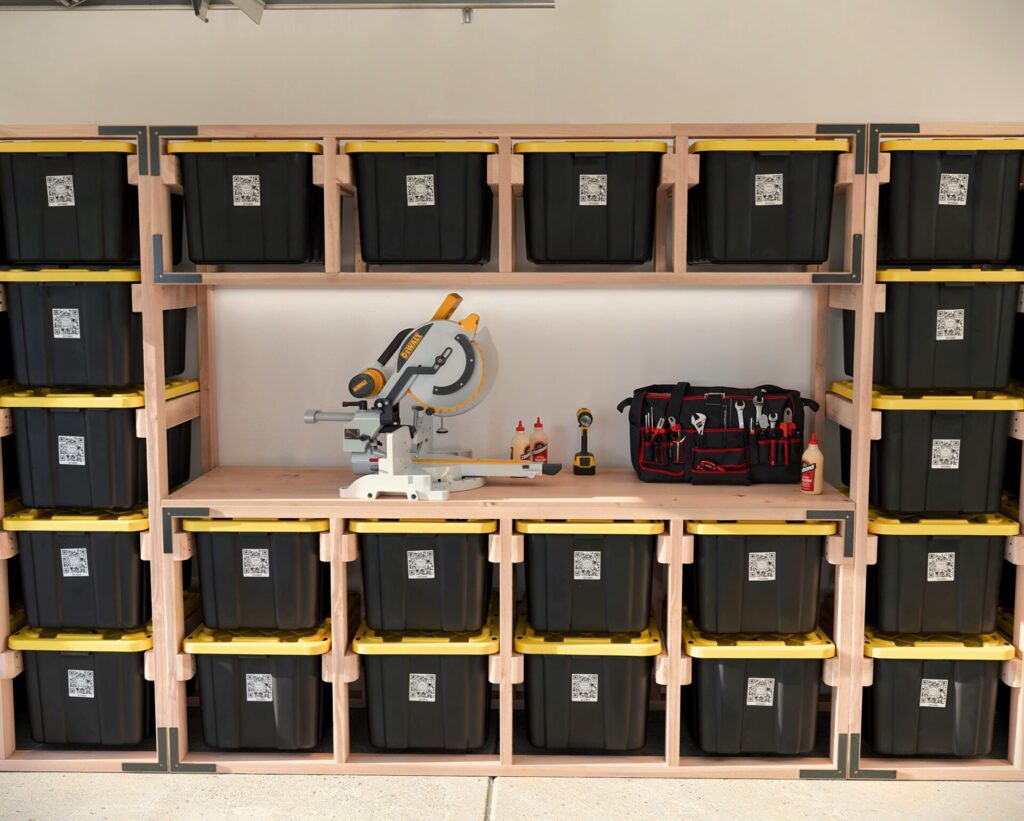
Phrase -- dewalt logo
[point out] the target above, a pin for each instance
(411, 345)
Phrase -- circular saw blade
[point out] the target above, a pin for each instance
(459, 384)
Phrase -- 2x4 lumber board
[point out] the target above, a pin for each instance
(180, 296)
(82, 761)
(179, 410)
(332, 205)
(843, 412)
(206, 333)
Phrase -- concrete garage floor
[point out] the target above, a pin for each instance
(255, 798)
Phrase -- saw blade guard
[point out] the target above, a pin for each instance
(461, 383)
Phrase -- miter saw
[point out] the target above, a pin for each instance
(440, 366)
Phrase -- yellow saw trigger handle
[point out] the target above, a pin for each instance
(451, 302)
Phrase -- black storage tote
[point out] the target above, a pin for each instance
(589, 576)
(942, 328)
(68, 202)
(763, 201)
(423, 202)
(9, 456)
(949, 201)
(590, 201)
(587, 691)
(259, 573)
(932, 694)
(260, 689)
(425, 574)
(82, 450)
(936, 575)
(248, 201)
(754, 693)
(6, 358)
(756, 576)
(939, 453)
(428, 690)
(74, 327)
(87, 687)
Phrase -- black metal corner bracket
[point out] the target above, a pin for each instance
(141, 135)
(859, 130)
(162, 278)
(160, 766)
(831, 775)
(158, 131)
(856, 267)
(863, 775)
(846, 517)
(179, 766)
(874, 139)
(171, 513)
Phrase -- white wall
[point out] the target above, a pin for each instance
(281, 351)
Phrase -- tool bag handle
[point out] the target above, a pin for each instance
(674, 407)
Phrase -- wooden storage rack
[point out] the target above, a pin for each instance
(291, 492)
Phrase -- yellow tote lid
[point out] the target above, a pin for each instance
(244, 147)
(533, 642)
(78, 521)
(701, 645)
(207, 641)
(255, 525)
(953, 145)
(770, 145)
(822, 528)
(589, 527)
(17, 618)
(93, 397)
(422, 526)
(591, 147)
(420, 147)
(981, 524)
(136, 640)
(949, 275)
(71, 275)
(882, 399)
(67, 146)
(484, 642)
(936, 646)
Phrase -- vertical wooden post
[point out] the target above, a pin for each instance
(506, 634)
(341, 718)
(332, 207)
(673, 640)
(206, 333)
(506, 208)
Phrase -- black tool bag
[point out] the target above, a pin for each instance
(734, 436)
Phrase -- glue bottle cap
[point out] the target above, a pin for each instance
(814, 439)
(538, 424)
(520, 426)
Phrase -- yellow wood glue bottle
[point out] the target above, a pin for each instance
(520, 444)
(812, 468)
(538, 443)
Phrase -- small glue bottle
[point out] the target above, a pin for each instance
(812, 468)
(538, 443)
(520, 444)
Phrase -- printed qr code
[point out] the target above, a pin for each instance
(584, 687)
(949, 325)
(933, 692)
(586, 565)
(259, 687)
(593, 189)
(74, 561)
(66, 324)
(423, 687)
(81, 684)
(255, 563)
(420, 564)
(941, 567)
(953, 189)
(760, 692)
(60, 191)
(245, 189)
(71, 450)
(945, 454)
(767, 189)
(419, 189)
(761, 567)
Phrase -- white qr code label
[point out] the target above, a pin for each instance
(423, 687)
(953, 189)
(767, 189)
(74, 562)
(933, 692)
(259, 687)
(255, 563)
(586, 565)
(245, 189)
(761, 567)
(66, 323)
(584, 687)
(81, 684)
(949, 325)
(60, 191)
(71, 450)
(945, 454)
(941, 567)
(420, 564)
(419, 189)
(593, 189)
(760, 692)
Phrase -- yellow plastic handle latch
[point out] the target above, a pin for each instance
(451, 302)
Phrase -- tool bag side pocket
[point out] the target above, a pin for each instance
(721, 457)
(654, 453)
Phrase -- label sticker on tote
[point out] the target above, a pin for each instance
(245, 189)
(66, 324)
(259, 687)
(945, 454)
(255, 563)
(584, 687)
(767, 189)
(60, 191)
(949, 325)
(81, 684)
(420, 564)
(74, 561)
(761, 567)
(953, 189)
(586, 565)
(593, 189)
(760, 692)
(941, 567)
(71, 450)
(419, 189)
(933, 692)
(423, 687)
